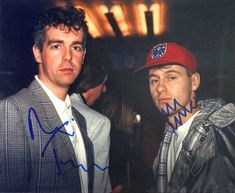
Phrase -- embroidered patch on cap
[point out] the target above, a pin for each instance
(159, 51)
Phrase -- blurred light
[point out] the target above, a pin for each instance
(141, 8)
(138, 118)
(155, 8)
(105, 24)
(93, 31)
(120, 18)
(163, 11)
(130, 18)
(104, 9)
(92, 28)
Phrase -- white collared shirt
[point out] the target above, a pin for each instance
(64, 111)
(176, 144)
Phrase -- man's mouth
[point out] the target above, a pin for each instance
(67, 70)
(164, 100)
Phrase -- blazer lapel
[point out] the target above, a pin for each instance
(80, 120)
(59, 141)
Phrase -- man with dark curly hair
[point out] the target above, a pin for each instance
(44, 144)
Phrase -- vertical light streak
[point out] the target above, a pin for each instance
(120, 18)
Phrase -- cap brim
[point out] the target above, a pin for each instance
(142, 69)
(145, 68)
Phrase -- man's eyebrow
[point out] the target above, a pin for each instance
(172, 71)
(61, 41)
(153, 75)
(54, 41)
(78, 42)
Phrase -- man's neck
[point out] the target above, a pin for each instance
(58, 91)
(179, 118)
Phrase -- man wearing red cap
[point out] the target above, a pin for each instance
(197, 153)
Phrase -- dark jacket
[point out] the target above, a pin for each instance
(206, 162)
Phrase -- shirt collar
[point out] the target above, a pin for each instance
(185, 127)
(61, 106)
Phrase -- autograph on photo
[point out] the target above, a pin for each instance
(32, 112)
(180, 114)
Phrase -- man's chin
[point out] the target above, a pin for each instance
(65, 85)
(166, 110)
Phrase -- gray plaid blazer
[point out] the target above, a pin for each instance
(98, 130)
(36, 154)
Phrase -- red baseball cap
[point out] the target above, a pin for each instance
(170, 53)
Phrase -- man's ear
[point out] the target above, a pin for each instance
(195, 81)
(37, 54)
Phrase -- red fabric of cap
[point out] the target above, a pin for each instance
(168, 53)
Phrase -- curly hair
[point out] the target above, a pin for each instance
(70, 17)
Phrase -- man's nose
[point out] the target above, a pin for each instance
(67, 54)
(161, 87)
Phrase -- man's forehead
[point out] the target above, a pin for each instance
(166, 67)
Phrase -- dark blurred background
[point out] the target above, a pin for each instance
(206, 27)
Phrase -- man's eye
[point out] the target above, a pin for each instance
(172, 77)
(55, 47)
(78, 48)
(153, 81)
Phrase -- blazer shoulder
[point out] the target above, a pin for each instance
(88, 112)
(17, 99)
(85, 110)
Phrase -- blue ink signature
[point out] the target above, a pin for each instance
(178, 119)
(75, 165)
(53, 133)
